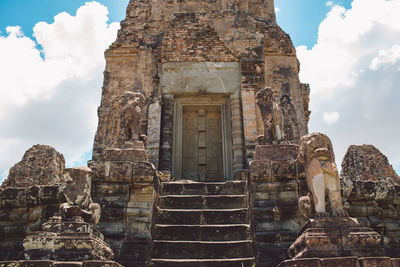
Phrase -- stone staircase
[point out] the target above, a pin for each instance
(200, 224)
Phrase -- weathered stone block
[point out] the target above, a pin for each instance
(375, 261)
(260, 171)
(276, 152)
(19, 214)
(282, 170)
(109, 189)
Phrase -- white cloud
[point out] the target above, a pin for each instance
(329, 3)
(277, 10)
(354, 70)
(53, 99)
(330, 117)
(386, 56)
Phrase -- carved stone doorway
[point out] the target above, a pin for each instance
(202, 148)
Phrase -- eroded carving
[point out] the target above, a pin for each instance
(132, 105)
(289, 125)
(272, 117)
(316, 153)
(77, 193)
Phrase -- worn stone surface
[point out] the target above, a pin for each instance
(341, 261)
(40, 165)
(202, 224)
(72, 240)
(371, 187)
(77, 191)
(123, 185)
(335, 237)
(277, 180)
(131, 114)
(48, 263)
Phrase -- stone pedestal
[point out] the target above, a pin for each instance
(336, 237)
(67, 241)
(276, 181)
(123, 184)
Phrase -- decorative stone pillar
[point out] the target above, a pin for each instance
(237, 134)
(166, 133)
(249, 121)
(153, 132)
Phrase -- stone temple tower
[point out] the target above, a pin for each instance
(202, 159)
(189, 56)
(197, 65)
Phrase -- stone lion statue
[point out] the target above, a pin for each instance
(316, 153)
(77, 192)
(272, 116)
(132, 105)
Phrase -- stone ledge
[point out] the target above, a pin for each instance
(335, 237)
(342, 261)
(46, 263)
(14, 197)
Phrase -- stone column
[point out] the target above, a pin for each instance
(237, 134)
(166, 133)
(249, 122)
(153, 132)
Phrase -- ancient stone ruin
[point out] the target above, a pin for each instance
(202, 157)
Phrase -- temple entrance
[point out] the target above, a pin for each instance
(202, 149)
(202, 158)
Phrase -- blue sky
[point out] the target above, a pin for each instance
(299, 18)
(349, 52)
(27, 13)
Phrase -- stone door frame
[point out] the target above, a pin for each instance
(226, 127)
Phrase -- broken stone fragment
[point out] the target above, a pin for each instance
(40, 165)
(77, 192)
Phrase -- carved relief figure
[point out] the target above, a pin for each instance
(289, 127)
(131, 113)
(316, 153)
(271, 115)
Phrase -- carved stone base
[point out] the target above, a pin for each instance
(336, 237)
(125, 151)
(276, 152)
(67, 241)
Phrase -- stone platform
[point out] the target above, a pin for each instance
(65, 241)
(336, 237)
(343, 261)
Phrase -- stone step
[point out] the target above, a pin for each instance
(163, 249)
(234, 262)
(222, 232)
(203, 201)
(202, 216)
(203, 188)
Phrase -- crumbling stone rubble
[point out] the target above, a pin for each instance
(372, 189)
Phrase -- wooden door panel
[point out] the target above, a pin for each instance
(190, 166)
(202, 157)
